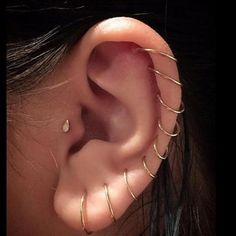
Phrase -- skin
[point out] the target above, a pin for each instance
(108, 95)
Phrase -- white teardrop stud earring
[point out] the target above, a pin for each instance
(66, 126)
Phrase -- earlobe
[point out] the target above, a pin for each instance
(131, 109)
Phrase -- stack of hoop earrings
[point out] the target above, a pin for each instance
(166, 106)
(66, 128)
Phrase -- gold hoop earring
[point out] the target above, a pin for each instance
(181, 110)
(164, 76)
(128, 186)
(158, 154)
(109, 202)
(167, 133)
(66, 126)
(147, 170)
(82, 219)
(151, 50)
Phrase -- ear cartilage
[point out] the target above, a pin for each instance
(167, 133)
(181, 110)
(164, 76)
(151, 50)
(109, 202)
(128, 186)
(147, 169)
(66, 126)
(158, 155)
(82, 219)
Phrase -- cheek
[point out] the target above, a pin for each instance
(31, 175)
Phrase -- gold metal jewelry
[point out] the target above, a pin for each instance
(167, 133)
(82, 219)
(158, 154)
(109, 202)
(181, 110)
(164, 76)
(128, 186)
(147, 170)
(151, 50)
(66, 126)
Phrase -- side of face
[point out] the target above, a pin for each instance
(106, 92)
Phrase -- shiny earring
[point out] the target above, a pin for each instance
(109, 202)
(164, 76)
(159, 73)
(66, 126)
(82, 219)
(168, 133)
(147, 169)
(151, 50)
(128, 186)
(181, 110)
(158, 154)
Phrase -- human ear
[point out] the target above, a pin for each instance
(117, 117)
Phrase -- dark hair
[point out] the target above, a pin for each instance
(39, 33)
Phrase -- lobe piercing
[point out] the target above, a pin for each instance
(128, 186)
(82, 219)
(109, 202)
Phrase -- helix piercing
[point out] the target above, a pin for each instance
(66, 126)
(128, 186)
(158, 154)
(109, 202)
(147, 170)
(151, 50)
(82, 219)
(170, 108)
(167, 133)
(164, 76)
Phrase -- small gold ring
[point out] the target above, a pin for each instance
(167, 133)
(128, 186)
(82, 219)
(181, 110)
(164, 76)
(158, 154)
(158, 52)
(109, 202)
(147, 170)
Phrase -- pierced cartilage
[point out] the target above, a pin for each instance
(164, 76)
(151, 50)
(168, 133)
(181, 110)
